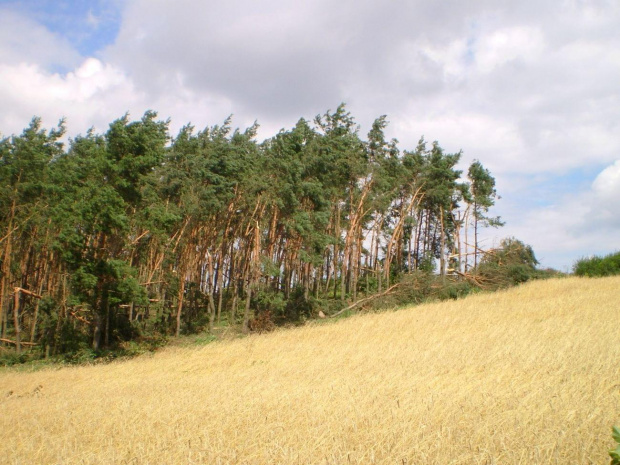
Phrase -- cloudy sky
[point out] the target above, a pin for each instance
(530, 88)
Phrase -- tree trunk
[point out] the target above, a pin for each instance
(180, 303)
(475, 235)
(442, 251)
(246, 313)
(106, 339)
(97, 331)
(211, 312)
(18, 346)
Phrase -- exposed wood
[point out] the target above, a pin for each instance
(23, 343)
(27, 292)
(366, 299)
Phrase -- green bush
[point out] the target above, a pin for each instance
(512, 263)
(615, 453)
(608, 265)
(419, 287)
(11, 357)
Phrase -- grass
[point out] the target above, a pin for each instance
(530, 375)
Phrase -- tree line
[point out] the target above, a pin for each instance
(131, 233)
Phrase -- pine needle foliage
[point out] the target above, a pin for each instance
(134, 234)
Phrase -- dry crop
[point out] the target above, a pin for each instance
(530, 376)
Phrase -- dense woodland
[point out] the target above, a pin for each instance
(134, 233)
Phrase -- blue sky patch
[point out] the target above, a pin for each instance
(88, 25)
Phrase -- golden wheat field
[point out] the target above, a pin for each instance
(525, 376)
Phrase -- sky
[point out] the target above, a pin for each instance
(531, 89)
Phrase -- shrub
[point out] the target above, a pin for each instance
(262, 322)
(9, 357)
(299, 307)
(615, 453)
(595, 266)
(513, 263)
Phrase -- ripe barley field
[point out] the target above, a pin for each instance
(525, 376)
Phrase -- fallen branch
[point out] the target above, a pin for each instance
(8, 341)
(26, 291)
(470, 278)
(79, 318)
(137, 239)
(366, 299)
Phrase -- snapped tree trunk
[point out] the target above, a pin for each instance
(246, 313)
(18, 346)
(180, 305)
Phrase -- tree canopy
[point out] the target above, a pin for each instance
(134, 233)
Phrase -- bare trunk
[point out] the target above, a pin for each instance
(18, 346)
(442, 255)
(211, 312)
(246, 313)
(180, 304)
(466, 222)
(475, 235)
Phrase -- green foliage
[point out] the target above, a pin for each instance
(615, 453)
(609, 265)
(268, 300)
(427, 263)
(421, 287)
(299, 307)
(10, 358)
(133, 235)
(512, 263)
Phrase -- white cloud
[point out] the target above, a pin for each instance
(22, 40)
(92, 94)
(502, 46)
(581, 222)
(606, 198)
(531, 92)
(607, 184)
(95, 94)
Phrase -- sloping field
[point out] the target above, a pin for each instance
(528, 376)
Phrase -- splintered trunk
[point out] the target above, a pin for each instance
(343, 279)
(456, 255)
(475, 235)
(396, 238)
(378, 269)
(466, 222)
(3, 308)
(18, 346)
(97, 331)
(418, 236)
(106, 337)
(442, 256)
(336, 252)
(245, 328)
(180, 304)
(33, 327)
(318, 275)
(253, 271)
(219, 305)
(6, 269)
(427, 233)
(211, 312)
(210, 289)
(246, 313)
(233, 306)
(357, 260)
(307, 281)
(328, 273)
(99, 321)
